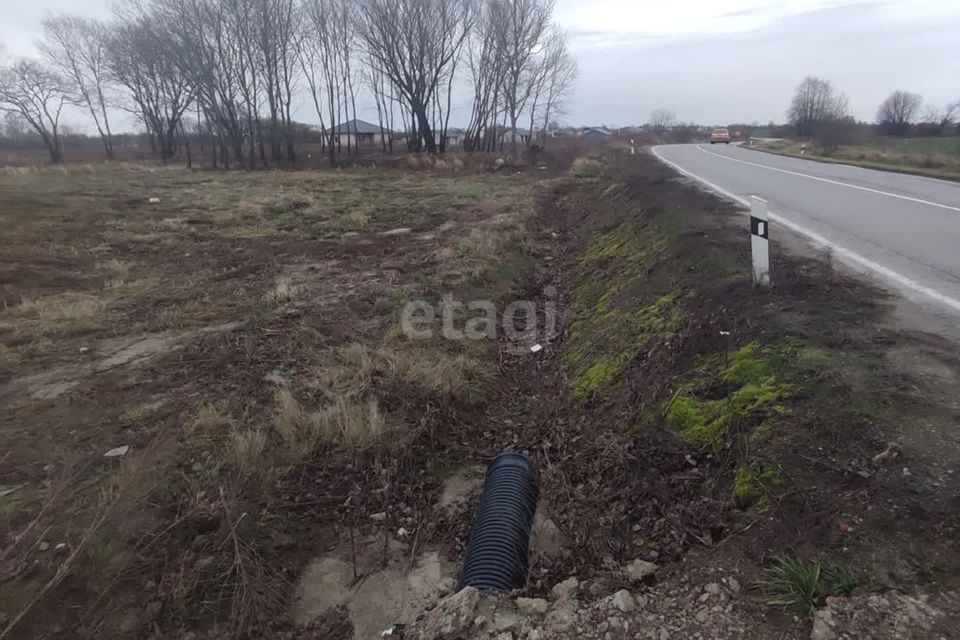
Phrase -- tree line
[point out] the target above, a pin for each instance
(818, 110)
(233, 72)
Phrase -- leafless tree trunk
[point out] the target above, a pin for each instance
(349, 81)
(415, 43)
(527, 24)
(288, 34)
(322, 60)
(37, 95)
(78, 48)
(486, 64)
(448, 108)
(550, 78)
(560, 77)
(144, 59)
(211, 58)
(375, 82)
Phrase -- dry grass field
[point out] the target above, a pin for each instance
(225, 330)
(934, 157)
(214, 425)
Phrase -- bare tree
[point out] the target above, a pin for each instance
(814, 104)
(553, 84)
(78, 48)
(145, 60)
(237, 25)
(239, 59)
(486, 64)
(38, 95)
(280, 31)
(526, 27)
(344, 37)
(16, 129)
(214, 52)
(660, 119)
(415, 44)
(238, 64)
(941, 118)
(899, 111)
(321, 59)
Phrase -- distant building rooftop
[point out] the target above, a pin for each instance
(358, 126)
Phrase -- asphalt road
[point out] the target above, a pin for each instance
(903, 230)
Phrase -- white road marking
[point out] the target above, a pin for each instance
(838, 250)
(836, 182)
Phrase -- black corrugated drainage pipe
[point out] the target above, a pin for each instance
(497, 551)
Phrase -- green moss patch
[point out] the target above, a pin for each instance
(610, 331)
(751, 485)
(750, 394)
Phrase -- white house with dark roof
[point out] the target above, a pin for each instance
(455, 137)
(506, 136)
(360, 133)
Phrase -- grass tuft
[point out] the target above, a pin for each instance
(35, 349)
(793, 582)
(355, 220)
(136, 414)
(116, 267)
(292, 422)
(63, 313)
(244, 453)
(210, 418)
(347, 421)
(842, 581)
(457, 379)
(356, 425)
(284, 291)
(586, 168)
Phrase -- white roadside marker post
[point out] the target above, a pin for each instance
(633, 151)
(759, 241)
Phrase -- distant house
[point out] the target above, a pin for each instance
(523, 136)
(597, 133)
(454, 137)
(359, 133)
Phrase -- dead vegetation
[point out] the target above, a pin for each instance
(449, 379)
(352, 423)
(678, 407)
(260, 316)
(62, 313)
(689, 411)
(937, 157)
(283, 291)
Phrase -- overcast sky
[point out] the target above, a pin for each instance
(710, 61)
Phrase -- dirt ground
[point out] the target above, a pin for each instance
(715, 429)
(210, 408)
(200, 370)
